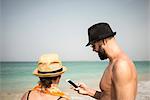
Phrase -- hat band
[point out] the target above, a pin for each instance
(59, 70)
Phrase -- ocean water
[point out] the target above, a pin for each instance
(17, 76)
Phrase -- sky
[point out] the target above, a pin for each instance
(30, 28)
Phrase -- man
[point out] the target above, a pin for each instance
(119, 81)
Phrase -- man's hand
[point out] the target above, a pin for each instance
(82, 89)
(85, 90)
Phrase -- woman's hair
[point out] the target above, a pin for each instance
(46, 82)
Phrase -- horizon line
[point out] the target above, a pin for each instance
(70, 61)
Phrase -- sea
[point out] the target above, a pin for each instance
(18, 77)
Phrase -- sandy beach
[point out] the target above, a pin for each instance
(143, 93)
(143, 90)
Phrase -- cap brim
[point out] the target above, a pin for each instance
(35, 72)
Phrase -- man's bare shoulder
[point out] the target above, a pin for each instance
(122, 64)
(122, 70)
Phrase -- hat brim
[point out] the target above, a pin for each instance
(102, 37)
(35, 72)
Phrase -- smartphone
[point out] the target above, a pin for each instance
(72, 83)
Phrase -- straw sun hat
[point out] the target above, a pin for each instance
(49, 65)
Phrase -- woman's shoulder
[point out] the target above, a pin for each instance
(25, 95)
(35, 95)
(62, 99)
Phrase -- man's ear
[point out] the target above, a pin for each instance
(104, 41)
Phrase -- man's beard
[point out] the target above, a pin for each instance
(102, 54)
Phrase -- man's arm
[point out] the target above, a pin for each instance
(122, 80)
(84, 90)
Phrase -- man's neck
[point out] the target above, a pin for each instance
(113, 51)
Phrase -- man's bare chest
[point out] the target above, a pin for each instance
(106, 80)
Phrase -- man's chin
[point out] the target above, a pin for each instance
(103, 58)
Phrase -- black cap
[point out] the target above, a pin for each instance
(99, 31)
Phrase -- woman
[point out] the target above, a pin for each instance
(49, 71)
